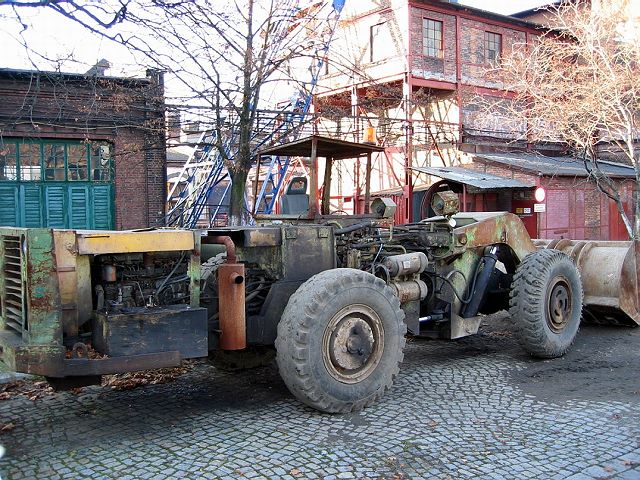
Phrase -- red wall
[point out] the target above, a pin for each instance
(575, 208)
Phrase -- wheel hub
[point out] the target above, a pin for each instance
(353, 343)
(559, 303)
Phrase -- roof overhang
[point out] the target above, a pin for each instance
(325, 147)
(474, 178)
(544, 166)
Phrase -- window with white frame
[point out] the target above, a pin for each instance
(432, 38)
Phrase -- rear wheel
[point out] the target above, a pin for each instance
(340, 340)
(546, 303)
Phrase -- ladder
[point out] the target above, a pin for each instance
(273, 182)
(205, 171)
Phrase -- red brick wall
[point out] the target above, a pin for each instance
(433, 68)
(472, 48)
(575, 208)
(139, 180)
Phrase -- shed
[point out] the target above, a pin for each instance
(573, 206)
(331, 149)
(81, 150)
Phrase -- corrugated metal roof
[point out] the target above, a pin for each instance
(480, 180)
(554, 166)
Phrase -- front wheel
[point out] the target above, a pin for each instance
(546, 303)
(340, 340)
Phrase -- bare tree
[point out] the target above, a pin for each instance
(224, 57)
(579, 84)
(90, 14)
(229, 56)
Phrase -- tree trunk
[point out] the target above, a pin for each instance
(635, 234)
(625, 218)
(243, 154)
(236, 200)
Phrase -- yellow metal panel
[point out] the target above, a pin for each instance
(85, 297)
(97, 243)
(65, 256)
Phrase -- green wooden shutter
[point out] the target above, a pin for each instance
(9, 206)
(31, 205)
(79, 207)
(102, 216)
(55, 206)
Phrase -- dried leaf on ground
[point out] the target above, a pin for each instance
(90, 353)
(129, 381)
(24, 388)
(498, 333)
(6, 427)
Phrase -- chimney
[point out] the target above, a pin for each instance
(99, 69)
(173, 127)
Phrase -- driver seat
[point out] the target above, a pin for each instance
(295, 200)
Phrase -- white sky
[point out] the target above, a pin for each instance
(503, 6)
(72, 49)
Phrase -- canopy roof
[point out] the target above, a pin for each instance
(326, 147)
(474, 178)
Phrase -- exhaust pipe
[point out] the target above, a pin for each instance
(231, 295)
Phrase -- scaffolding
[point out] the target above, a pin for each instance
(188, 201)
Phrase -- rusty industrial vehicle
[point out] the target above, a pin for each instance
(335, 294)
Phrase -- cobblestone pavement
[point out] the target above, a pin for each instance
(475, 408)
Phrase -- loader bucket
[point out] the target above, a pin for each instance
(610, 277)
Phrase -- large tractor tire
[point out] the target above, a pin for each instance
(340, 340)
(546, 303)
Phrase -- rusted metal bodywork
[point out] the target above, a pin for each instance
(48, 300)
(457, 245)
(231, 296)
(80, 304)
(610, 277)
(62, 287)
(233, 328)
(282, 257)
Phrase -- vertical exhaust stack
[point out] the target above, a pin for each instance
(231, 286)
(231, 297)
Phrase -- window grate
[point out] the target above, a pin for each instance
(13, 307)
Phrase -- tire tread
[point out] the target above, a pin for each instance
(527, 302)
(293, 337)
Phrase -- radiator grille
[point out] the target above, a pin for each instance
(14, 311)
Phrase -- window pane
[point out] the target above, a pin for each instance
(8, 164)
(101, 162)
(30, 161)
(381, 44)
(54, 162)
(432, 38)
(77, 162)
(493, 46)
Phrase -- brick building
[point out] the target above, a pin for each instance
(413, 75)
(81, 151)
(572, 206)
